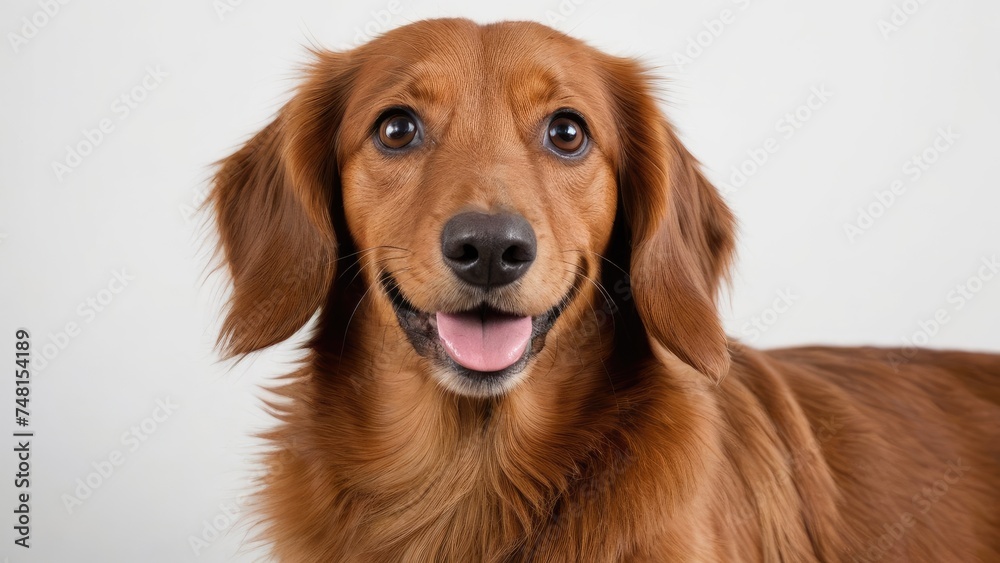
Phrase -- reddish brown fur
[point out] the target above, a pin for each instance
(677, 446)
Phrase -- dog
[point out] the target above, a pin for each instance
(511, 263)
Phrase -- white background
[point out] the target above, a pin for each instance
(126, 205)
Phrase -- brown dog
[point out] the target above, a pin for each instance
(518, 355)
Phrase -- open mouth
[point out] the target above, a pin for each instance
(482, 344)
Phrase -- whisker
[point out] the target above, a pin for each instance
(369, 249)
(600, 339)
(343, 345)
(600, 287)
(383, 261)
(365, 251)
(594, 311)
(602, 257)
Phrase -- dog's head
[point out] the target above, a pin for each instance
(477, 177)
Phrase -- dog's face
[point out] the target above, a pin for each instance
(480, 191)
(478, 173)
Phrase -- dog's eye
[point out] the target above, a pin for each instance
(566, 134)
(397, 129)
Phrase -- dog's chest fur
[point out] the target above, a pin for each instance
(470, 482)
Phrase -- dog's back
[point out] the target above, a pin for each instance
(904, 445)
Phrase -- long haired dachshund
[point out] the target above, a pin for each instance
(517, 354)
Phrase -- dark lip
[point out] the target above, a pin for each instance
(420, 328)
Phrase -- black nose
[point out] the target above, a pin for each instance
(488, 250)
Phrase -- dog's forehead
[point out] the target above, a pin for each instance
(447, 61)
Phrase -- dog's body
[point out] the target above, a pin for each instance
(809, 454)
(511, 184)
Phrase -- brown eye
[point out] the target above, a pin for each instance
(566, 134)
(397, 130)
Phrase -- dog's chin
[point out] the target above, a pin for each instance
(423, 331)
(480, 384)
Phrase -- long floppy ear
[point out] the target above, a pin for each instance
(682, 231)
(273, 200)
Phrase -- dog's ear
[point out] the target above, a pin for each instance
(274, 202)
(682, 232)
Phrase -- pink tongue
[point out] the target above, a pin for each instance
(489, 344)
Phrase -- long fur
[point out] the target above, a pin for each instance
(639, 432)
